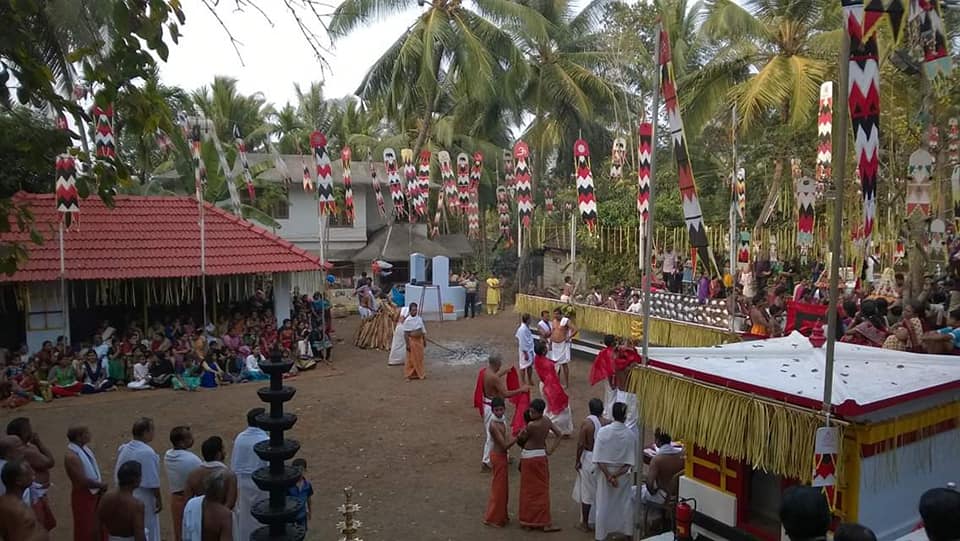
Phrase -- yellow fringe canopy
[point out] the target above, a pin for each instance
(663, 332)
(773, 437)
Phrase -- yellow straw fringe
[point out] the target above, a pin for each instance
(771, 437)
(605, 321)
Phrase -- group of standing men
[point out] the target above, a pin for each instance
(208, 500)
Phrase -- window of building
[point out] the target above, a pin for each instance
(46, 312)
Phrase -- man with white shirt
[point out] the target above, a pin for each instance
(635, 306)
(178, 463)
(670, 269)
(245, 461)
(88, 486)
(615, 456)
(148, 492)
(525, 344)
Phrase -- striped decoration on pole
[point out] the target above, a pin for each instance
(476, 171)
(741, 190)
(105, 147)
(618, 158)
(918, 187)
(953, 142)
(936, 61)
(244, 164)
(199, 168)
(448, 181)
(503, 210)
(325, 200)
(68, 199)
(509, 177)
(345, 156)
(463, 181)
(586, 201)
(423, 184)
(521, 152)
(548, 205)
(410, 185)
(473, 215)
(393, 180)
(644, 153)
(690, 199)
(825, 133)
(377, 191)
(435, 227)
(307, 177)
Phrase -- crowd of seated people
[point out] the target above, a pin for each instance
(174, 353)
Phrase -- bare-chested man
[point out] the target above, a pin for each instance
(496, 514)
(121, 513)
(17, 520)
(213, 462)
(585, 486)
(566, 294)
(491, 379)
(562, 331)
(206, 517)
(535, 469)
(41, 460)
(11, 448)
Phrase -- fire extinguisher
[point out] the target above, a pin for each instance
(684, 514)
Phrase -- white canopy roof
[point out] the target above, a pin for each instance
(790, 369)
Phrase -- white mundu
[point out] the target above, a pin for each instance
(139, 451)
(615, 446)
(243, 464)
(585, 485)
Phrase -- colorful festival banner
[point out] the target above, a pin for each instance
(741, 191)
(325, 200)
(548, 204)
(692, 214)
(377, 191)
(585, 197)
(411, 187)
(825, 133)
(864, 105)
(618, 158)
(448, 180)
(509, 177)
(463, 181)
(68, 199)
(476, 171)
(521, 152)
(103, 136)
(918, 187)
(423, 184)
(806, 204)
(199, 168)
(393, 180)
(644, 153)
(345, 156)
(936, 61)
(503, 210)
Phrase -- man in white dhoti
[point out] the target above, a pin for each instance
(585, 485)
(207, 516)
(562, 331)
(615, 454)
(138, 450)
(244, 462)
(179, 462)
(525, 344)
(398, 347)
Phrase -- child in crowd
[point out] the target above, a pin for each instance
(302, 491)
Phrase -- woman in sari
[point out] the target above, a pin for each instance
(398, 347)
(913, 327)
(870, 328)
(415, 337)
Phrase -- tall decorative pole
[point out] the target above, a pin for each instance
(349, 526)
(734, 212)
(278, 512)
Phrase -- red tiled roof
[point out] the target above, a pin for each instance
(148, 237)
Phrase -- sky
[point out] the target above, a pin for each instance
(273, 58)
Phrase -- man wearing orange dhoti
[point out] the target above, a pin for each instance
(415, 335)
(535, 469)
(496, 514)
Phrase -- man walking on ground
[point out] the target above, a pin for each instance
(562, 331)
(585, 486)
(88, 486)
(41, 461)
(470, 287)
(525, 343)
(245, 462)
(489, 386)
(615, 454)
(17, 520)
(535, 469)
(179, 462)
(207, 516)
(496, 514)
(147, 489)
(121, 513)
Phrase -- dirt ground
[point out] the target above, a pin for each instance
(410, 450)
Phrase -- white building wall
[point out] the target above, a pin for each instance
(891, 483)
(303, 227)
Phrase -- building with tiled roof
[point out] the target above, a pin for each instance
(142, 252)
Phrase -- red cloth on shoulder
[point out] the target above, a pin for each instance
(478, 392)
(521, 401)
(603, 366)
(625, 357)
(557, 399)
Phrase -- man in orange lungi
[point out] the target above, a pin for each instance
(535, 469)
(496, 514)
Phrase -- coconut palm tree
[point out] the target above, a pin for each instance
(767, 56)
(223, 103)
(449, 39)
(289, 129)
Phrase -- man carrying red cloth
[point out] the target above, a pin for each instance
(490, 385)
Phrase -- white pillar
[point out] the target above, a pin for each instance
(281, 296)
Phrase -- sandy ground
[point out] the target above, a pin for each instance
(410, 450)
